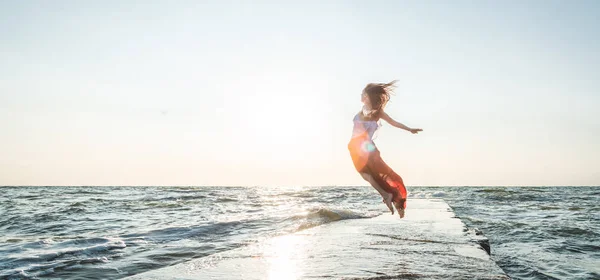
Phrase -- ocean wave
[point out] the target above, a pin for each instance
(495, 190)
(178, 233)
(61, 255)
(34, 270)
(108, 245)
(547, 207)
(30, 197)
(320, 216)
(226, 199)
(438, 194)
(427, 194)
(173, 198)
(571, 232)
(84, 192)
(165, 204)
(298, 194)
(75, 208)
(185, 189)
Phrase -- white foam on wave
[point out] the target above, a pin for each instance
(324, 215)
(438, 194)
(427, 194)
(67, 258)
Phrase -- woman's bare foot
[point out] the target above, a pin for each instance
(400, 207)
(388, 201)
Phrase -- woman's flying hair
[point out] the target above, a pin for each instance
(379, 95)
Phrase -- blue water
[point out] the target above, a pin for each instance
(114, 232)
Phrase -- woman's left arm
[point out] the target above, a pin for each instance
(394, 123)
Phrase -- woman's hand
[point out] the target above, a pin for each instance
(391, 121)
(415, 130)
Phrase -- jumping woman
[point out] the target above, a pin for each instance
(364, 153)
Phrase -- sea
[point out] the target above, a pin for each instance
(113, 232)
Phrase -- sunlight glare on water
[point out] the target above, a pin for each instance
(283, 257)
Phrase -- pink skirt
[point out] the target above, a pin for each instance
(367, 159)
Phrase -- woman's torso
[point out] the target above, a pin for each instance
(364, 126)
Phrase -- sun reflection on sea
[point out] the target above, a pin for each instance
(284, 256)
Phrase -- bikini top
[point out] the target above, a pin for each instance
(364, 126)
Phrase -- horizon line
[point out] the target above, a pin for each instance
(300, 186)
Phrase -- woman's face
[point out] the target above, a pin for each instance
(365, 99)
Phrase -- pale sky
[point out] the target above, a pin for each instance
(246, 93)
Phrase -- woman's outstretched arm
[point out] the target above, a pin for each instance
(391, 121)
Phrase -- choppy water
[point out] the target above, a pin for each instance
(114, 232)
(536, 233)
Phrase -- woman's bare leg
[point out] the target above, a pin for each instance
(387, 197)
